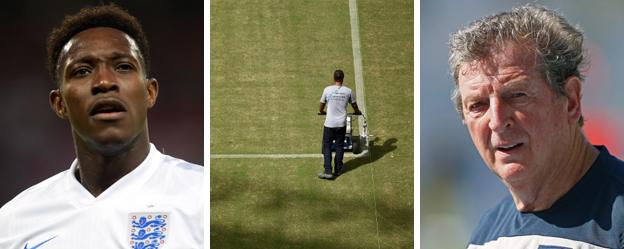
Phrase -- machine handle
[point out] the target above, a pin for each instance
(351, 113)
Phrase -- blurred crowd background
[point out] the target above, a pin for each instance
(456, 186)
(35, 144)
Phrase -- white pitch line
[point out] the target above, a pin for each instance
(357, 61)
(234, 156)
(359, 85)
(357, 56)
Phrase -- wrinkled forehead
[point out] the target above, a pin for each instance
(502, 62)
(97, 41)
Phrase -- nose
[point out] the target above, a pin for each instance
(500, 115)
(105, 81)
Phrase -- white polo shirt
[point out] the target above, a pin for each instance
(337, 98)
(157, 205)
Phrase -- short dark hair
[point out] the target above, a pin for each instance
(108, 15)
(338, 75)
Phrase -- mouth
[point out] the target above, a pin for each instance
(107, 109)
(508, 147)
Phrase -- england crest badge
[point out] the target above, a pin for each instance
(148, 230)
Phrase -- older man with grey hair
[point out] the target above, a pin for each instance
(518, 91)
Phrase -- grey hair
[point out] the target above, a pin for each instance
(557, 45)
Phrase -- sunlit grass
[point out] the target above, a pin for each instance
(270, 61)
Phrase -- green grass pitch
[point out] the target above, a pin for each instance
(270, 61)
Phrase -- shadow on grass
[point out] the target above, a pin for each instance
(375, 153)
(268, 217)
(240, 238)
(269, 222)
(265, 210)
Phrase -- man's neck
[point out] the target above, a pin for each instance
(559, 181)
(338, 83)
(98, 171)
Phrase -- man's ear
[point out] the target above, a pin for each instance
(573, 93)
(56, 103)
(152, 92)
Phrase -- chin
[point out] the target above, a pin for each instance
(512, 172)
(111, 147)
(110, 143)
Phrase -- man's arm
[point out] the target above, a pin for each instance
(356, 110)
(322, 108)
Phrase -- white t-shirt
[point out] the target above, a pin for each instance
(160, 203)
(337, 98)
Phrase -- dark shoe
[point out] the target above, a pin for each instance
(338, 171)
(326, 176)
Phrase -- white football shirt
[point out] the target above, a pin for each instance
(157, 205)
(337, 98)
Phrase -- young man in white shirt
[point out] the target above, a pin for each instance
(120, 192)
(336, 97)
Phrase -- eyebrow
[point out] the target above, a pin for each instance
(515, 85)
(472, 98)
(118, 55)
(90, 58)
(475, 93)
